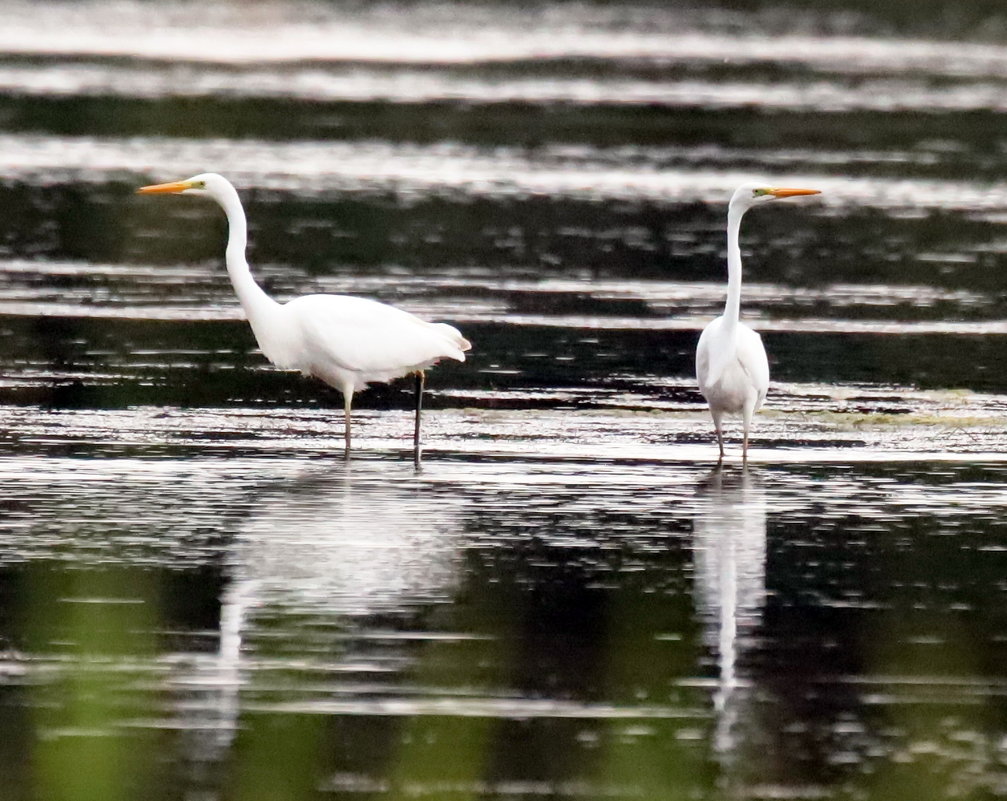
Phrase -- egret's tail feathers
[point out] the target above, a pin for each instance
(454, 336)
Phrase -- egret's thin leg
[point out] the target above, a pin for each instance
(747, 414)
(347, 428)
(718, 420)
(421, 378)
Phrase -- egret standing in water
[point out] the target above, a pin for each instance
(731, 364)
(345, 341)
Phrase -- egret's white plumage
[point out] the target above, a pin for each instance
(731, 364)
(345, 341)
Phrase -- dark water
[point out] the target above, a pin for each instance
(200, 600)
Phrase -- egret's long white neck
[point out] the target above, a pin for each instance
(256, 303)
(732, 307)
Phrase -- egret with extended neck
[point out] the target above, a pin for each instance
(731, 364)
(345, 341)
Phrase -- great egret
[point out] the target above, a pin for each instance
(345, 341)
(731, 364)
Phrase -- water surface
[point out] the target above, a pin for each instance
(199, 598)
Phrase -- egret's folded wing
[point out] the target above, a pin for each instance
(713, 353)
(369, 337)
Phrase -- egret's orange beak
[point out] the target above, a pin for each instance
(793, 192)
(162, 189)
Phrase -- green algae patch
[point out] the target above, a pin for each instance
(855, 420)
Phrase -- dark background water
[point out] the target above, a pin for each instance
(199, 599)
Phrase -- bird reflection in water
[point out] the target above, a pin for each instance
(729, 540)
(317, 553)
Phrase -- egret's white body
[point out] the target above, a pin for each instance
(731, 364)
(345, 341)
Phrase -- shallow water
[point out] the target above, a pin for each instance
(199, 598)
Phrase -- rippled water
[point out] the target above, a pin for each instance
(199, 599)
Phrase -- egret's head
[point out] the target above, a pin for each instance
(207, 183)
(754, 194)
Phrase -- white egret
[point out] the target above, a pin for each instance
(345, 341)
(731, 364)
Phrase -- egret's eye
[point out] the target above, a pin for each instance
(199, 185)
(759, 192)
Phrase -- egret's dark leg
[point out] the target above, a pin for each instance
(748, 412)
(347, 429)
(718, 426)
(420, 381)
